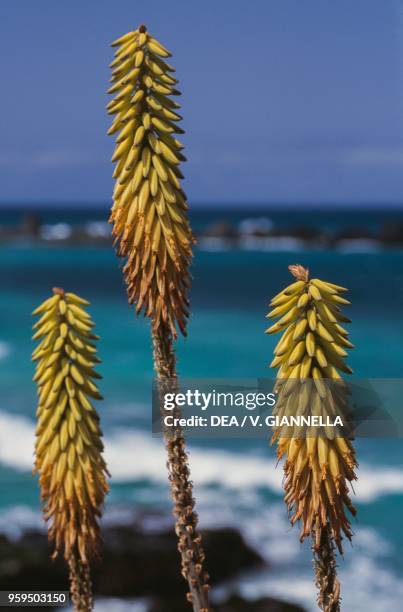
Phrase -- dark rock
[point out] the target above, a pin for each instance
(221, 229)
(304, 232)
(392, 232)
(267, 604)
(134, 563)
(26, 565)
(353, 233)
(30, 224)
(233, 604)
(256, 227)
(137, 564)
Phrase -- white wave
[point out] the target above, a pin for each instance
(368, 586)
(17, 519)
(58, 231)
(289, 564)
(133, 455)
(359, 245)
(272, 243)
(98, 229)
(360, 591)
(255, 224)
(16, 441)
(214, 244)
(252, 243)
(5, 349)
(210, 466)
(374, 483)
(229, 469)
(291, 586)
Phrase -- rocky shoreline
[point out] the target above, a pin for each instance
(138, 564)
(254, 234)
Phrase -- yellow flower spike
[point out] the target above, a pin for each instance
(317, 469)
(64, 429)
(152, 234)
(141, 83)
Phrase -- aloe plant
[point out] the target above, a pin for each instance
(318, 468)
(152, 234)
(68, 450)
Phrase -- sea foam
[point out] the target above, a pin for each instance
(5, 349)
(135, 455)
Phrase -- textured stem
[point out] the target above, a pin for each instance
(80, 585)
(324, 562)
(189, 545)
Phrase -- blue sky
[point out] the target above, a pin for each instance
(284, 101)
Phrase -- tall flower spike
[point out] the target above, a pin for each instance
(318, 469)
(149, 213)
(68, 451)
(152, 233)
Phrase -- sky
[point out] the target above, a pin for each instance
(283, 101)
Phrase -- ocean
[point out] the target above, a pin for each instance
(236, 481)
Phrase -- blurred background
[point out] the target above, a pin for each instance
(294, 137)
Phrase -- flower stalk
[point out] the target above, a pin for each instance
(324, 563)
(189, 539)
(319, 466)
(68, 450)
(153, 235)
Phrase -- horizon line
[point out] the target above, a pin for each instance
(210, 205)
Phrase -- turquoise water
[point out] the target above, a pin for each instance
(236, 481)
